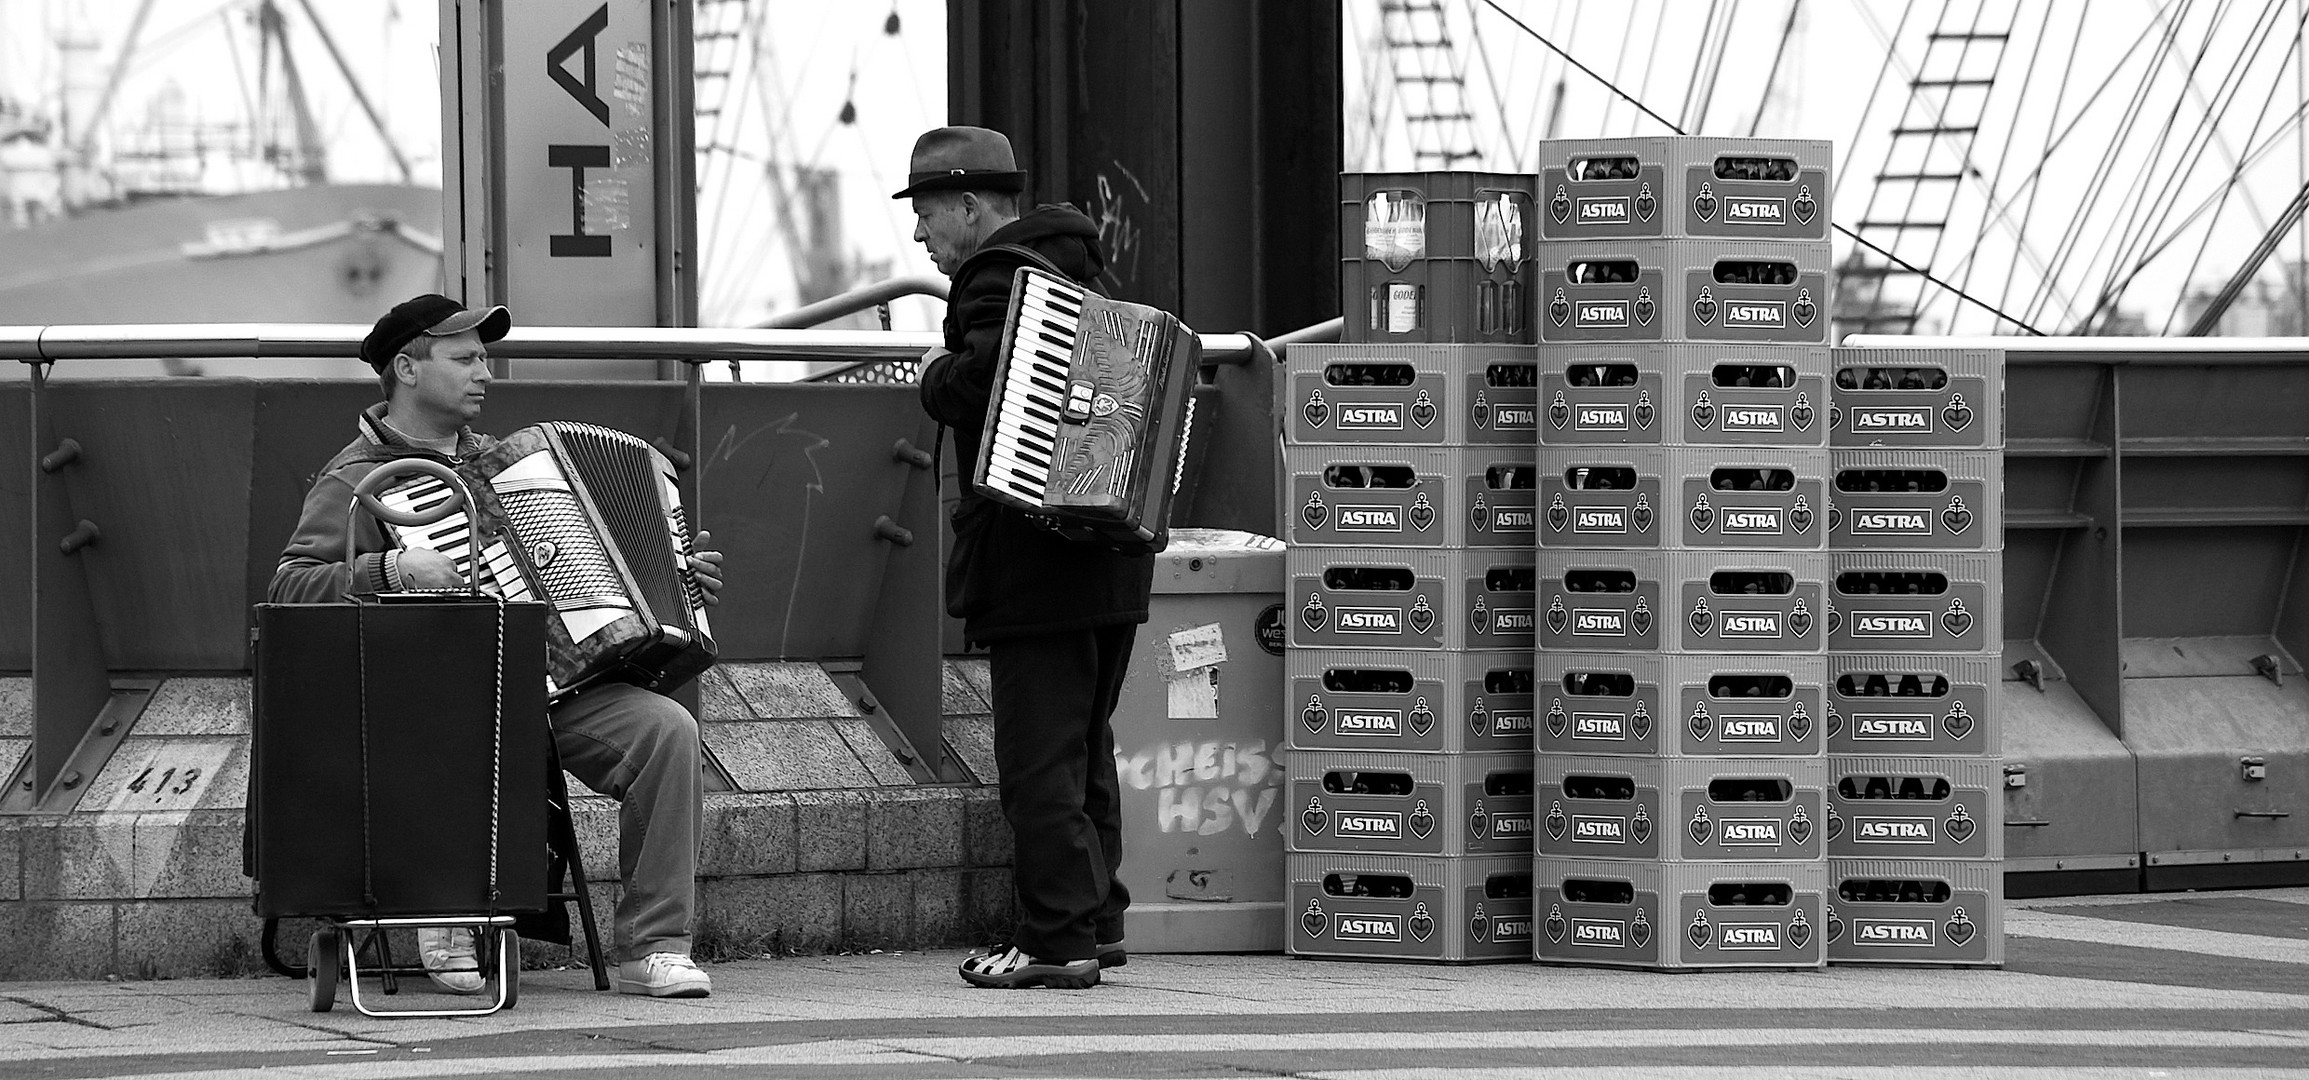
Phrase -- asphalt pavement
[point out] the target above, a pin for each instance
(2125, 986)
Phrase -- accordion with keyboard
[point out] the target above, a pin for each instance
(589, 521)
(1088, 421)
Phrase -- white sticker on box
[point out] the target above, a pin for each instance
(1198, 647)
(1194, 695)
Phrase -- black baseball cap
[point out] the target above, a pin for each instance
(430, 315)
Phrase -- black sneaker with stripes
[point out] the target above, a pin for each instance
(1008, 967)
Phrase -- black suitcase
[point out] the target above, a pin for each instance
(397, 745)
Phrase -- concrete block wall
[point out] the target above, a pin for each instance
(826, 844)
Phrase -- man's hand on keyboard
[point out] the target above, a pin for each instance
(423, 569)
(706, 565)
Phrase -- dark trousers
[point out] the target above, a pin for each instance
(1052, 697)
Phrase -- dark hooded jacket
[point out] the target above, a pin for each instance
(1007, 576)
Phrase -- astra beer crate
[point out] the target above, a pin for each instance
(1652, 704)
(1922, 706)
(1416, 394)
(1603, 497)
(1750, 497)
(1411, 598)
(1915, 602)
(1680, 809)
(1684, 291)
(1409, 701)
(1410, 804)
(1436, 257)
(1684, 186)
(1917, 399)
(1404, 907)
(1411, 496)
(1915, 911)
(1679, 916)
(1689, 395)
(1893, 500)
(1749, 602)
(1604, 599)
(1915, 808)
(1682, 601)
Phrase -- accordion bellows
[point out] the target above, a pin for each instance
(1089, 417)
(590, 521)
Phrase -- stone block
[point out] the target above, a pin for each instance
(937, 909)
(872, 752)
(877, 910)
(718, 700)
(789, 691)
(172, 772)
(986, 837)
(829, 830)
(78, 856)
(12, 751)
(971, 738)
(190, 854)
(186, 705)
(963, 688)
(56, 939)
(11, 863)
(785, 755)
(762, 916)
(747, 834)
(989, 905)
(594, 819)
(16, 707)
(908, 828)
(193, 939)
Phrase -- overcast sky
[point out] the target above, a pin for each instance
(1843, 78)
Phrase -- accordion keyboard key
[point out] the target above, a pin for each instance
(1024, 442)
(451, 538)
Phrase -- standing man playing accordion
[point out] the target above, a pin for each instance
(1057, 615)
(635, 746)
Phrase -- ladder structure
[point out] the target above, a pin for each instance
(1430, 81)
(717, 29)
(1927, 157)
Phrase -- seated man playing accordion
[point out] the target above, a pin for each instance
(635, 746)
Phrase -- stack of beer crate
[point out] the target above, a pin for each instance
(1915, 621)
(1409, 518)
(1682, 553)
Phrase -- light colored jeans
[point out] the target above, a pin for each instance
(642, 749)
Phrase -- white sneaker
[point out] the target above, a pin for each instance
(663, 974)
(449, 961)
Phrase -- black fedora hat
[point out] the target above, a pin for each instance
(962, 159)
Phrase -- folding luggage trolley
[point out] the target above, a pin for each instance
(398, 777)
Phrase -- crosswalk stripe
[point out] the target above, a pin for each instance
(922, 1051)
(2048, 924)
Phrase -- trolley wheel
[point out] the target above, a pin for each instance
(324, 966)
(509, 959)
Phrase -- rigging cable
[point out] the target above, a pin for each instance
(1699, 63)
(1764, 100)
(1506, 134)
(1721, 45)
(1875, 282)
(2031, 183)
(1619, 64)
(2072, 235)
(1993, 210)
(2148, 240)
(1869, 107)
(1964, 152)
(1646, 110)
(2236, 175)
(2135, 206)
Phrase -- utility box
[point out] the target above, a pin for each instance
(1198, 737)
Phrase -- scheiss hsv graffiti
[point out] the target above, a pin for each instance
(1208, 786)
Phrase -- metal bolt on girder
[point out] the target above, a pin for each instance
(81, 536)
(893, 532)
(67, 451)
